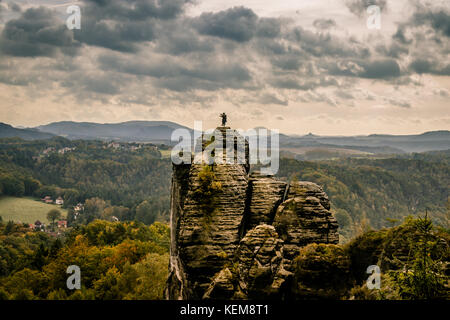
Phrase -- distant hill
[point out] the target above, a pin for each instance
(161, 131)
(428, 141)
(8, 131)
(143, 131)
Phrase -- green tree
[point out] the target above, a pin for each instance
(9, 228)
(12, 186)
(145, 213)
(93, 208)
(423, 280)
(53, 215)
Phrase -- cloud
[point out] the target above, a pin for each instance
(37, 32)
(376, 69)
(129, 10)
(424, 36)
(152, 53)
(439, 20)
(175, 75)
(125, 25)
(181, 39)
(15, 7)
(359, 7)
(398, 102)
(424, 65)
(238, 24)
(324, 24)
(268, 98)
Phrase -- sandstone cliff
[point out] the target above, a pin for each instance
(235, 235)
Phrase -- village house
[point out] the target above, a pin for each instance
(48, 150)
(114, 145)
(59, 201)
(66, 149)
(47, 199)
(39, 226)
(62, 224)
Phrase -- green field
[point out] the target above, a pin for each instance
(165, 153)
(26, 210)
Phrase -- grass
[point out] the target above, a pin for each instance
(165, 153)
(26, 210)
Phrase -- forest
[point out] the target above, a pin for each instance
(379, 204)
(379, 193)
(132, 182)
(118, 261)
(129, 260)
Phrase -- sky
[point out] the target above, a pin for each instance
(297, 66)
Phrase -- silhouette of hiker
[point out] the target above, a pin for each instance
(224, 119)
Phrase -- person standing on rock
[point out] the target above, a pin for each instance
(224, 119)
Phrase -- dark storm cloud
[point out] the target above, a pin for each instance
(325, 44)
(359, 7)
(380, 69)
(439, 20)
(134, 9)
(377, 69)
(124, 25)
(122, 36)
(37, 32)
(268, 28)
(393, 50)
(425, 35)
(238, 23)
(177, 76)
(14, 7)
(287, 62)
(324, 24)
(181, 39)
(174, 55)
(424, 65)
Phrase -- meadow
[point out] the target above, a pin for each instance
(26, 209)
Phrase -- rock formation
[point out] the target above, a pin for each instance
(235, 235)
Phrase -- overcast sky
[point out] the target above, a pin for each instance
(293, 65)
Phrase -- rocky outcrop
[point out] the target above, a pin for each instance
(303, 218)
(235, 235)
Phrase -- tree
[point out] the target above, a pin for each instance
(12, 186)
(422, 279)
(9, 228)
(145, 213)
(30, 186)
(53, 215)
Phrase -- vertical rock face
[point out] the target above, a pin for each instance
(265, 194)
(207, 241)
(240, 240)
(304, 218)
